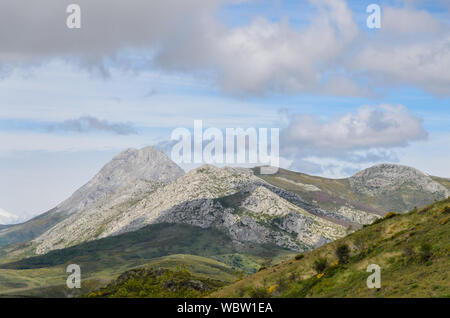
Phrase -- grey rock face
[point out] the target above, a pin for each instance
(379, 178)
(128, 167)
(197, 199)
(142, 187)
(128, 175)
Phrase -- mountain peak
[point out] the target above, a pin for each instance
(391, 177)
(125, 169)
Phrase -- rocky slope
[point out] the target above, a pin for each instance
(288, 209)
(129, 174)
(252, 213)
(376, 190)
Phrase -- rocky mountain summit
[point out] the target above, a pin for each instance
(129, 174)
(388, 177)
(396, 187)
(232, 200)
(373, 191)
(290, 210)
(125, 170)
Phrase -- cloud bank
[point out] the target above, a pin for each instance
(332, 55)
(366, 136)
(8, 218)
(86, 124)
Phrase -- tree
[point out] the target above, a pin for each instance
(343, 253)
(320, 264)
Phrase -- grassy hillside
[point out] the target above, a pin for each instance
(138, 247)
(50, 281)
(413, 251)
(158, 283)
(162, 245)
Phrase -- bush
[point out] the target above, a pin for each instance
(320, 264)
(425, 252)
(299, 256)
(343, 253)
(445, 209)
(390, 215)
(259, 292)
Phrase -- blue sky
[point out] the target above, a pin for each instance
(295, 65)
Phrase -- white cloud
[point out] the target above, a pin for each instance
(264, 56)
(424, 64)
(8, 218)
(85, 124)
(404, 21)
(259, 58)
(382, 127)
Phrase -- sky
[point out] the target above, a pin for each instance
(345, 97)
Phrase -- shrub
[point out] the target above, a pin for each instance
(320, 264)
(272, 289)
(299, 256)
(259, 292)
(343, 253)
(425, 252)
(445, 209)
(390, 215)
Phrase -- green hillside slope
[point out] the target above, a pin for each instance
(158, 283)
(413, 251)
(138, 247)
(209, 254)
(50, 281)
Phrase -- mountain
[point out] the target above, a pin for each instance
(142, 207)
(232, 200)
(376, 190)
(411, 249)
(130, 174)
(288, 209)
